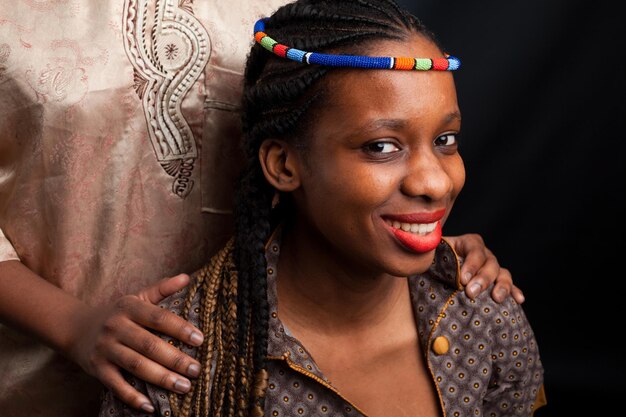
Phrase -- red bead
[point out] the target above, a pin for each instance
(280, 50)
(440, 64)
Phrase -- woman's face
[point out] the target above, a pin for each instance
(382, 171)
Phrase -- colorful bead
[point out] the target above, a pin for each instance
(449, 63)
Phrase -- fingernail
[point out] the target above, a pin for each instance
(466, 277)
(182, 386)
(147, 407)
(474, 289)
(194, 370)
(196, 338)
(501, 294)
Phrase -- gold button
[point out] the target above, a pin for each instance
(441, 345)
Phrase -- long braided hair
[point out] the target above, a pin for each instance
(280, 99)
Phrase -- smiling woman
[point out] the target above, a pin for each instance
(387, 153)
(337, 294)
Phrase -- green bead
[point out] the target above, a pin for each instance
(423, 64)
(268, 43)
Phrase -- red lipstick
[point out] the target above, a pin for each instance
(417, 217)
(417, 242)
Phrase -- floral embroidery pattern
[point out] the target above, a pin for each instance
(61, 74)
(168, 48)
(171, 51)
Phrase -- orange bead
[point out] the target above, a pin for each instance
(403, 63)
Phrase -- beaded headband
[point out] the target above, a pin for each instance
(449, 63)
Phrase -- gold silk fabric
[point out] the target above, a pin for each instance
(7, 253)
(119, 132)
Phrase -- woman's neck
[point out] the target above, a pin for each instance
(318, 291)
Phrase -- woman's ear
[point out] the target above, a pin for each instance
(280, 164)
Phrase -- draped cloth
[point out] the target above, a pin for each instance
(119, 131)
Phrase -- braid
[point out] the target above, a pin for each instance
(278, 96)
(216, 285)
(253, 202)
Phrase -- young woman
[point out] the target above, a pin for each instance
(337, 295)
(113, 136)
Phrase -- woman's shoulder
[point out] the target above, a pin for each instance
(439, 297)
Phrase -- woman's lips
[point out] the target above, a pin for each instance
(423, 217)
(418, 232)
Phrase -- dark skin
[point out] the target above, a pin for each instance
(376, 152)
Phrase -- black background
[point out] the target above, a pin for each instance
(542, 89)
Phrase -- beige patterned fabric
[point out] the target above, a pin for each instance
(490, 365)
(7, 253)
(119, 126)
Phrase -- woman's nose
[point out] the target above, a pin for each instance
(426, 177)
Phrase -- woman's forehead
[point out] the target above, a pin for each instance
(352, 81)
(365, 96)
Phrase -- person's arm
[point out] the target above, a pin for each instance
(103, 340)
(480, 269)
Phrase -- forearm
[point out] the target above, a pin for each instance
(30, 303)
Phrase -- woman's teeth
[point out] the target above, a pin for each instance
(417, 228)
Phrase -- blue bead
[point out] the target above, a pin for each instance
(259, 26)
(352, 61)
(296, 54)
(453, 63)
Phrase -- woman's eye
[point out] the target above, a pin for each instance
(449, 139)
(381, 147)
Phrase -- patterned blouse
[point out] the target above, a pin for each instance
(482, 355)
